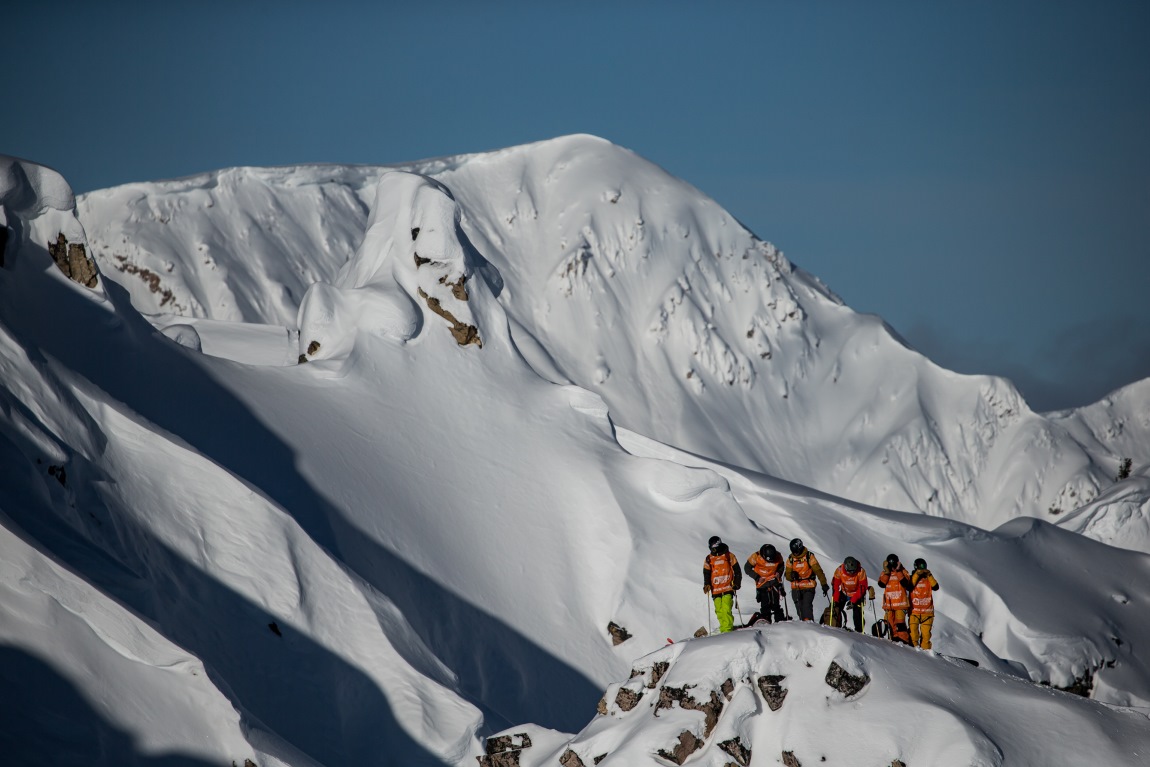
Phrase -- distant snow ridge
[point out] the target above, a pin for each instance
(628, 282)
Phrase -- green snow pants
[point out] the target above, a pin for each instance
(723, 605)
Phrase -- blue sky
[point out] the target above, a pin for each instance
(977, 173)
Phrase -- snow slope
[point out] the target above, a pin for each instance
(631, 284)
(421, 533)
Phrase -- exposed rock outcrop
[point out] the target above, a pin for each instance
(687, 745)
(773, 691)
(845, 682)
(74, 261)
(619, 635)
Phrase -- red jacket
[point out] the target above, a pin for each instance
(854, 585)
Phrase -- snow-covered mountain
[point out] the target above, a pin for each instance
(491, 451)
(630, 283)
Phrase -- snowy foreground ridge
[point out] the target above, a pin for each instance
(353, 465)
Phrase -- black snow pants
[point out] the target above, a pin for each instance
(770, 602)
(856, 609)
(804, 600)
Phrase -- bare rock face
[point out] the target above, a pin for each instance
(843, 681)
(789, 759)
(740, 753)
(505, 759)
(571, 759)
(619, 635)
(627, 699)
(504, 750)
(463, 333)
(74, 261)
(668, 696)
(898, 763)
(687, 745)
(773, 691)
(657, 672)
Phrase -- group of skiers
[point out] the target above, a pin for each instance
(908, 596)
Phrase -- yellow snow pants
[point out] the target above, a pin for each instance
(920, 630)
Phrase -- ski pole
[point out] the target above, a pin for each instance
(739, 609)
(870, 592)
(783, 599)
(710, 625)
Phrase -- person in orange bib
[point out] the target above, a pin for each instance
(721, 579)
(923, 586)
(896, 584)
(766, 567)
(802, 569)
(850, 584)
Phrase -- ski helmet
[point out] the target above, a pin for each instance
(851, 565)
(892, 559)
(714, 539)
(920, 564)
(797, 545)
(768, 551)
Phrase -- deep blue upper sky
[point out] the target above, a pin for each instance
(977, 172)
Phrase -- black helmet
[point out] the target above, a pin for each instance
(714, 540)
(920, 564)
(797, 545)
(851, 565)
(767, 551)
(892, 559)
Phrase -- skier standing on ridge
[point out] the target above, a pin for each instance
(721, 579)
(766, 567)
(802, 569)
(896, 597)
(921, 604)
(850, 585)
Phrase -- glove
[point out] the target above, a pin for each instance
(707, 589)
(826, 589)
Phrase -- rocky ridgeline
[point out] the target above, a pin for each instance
(704, 716)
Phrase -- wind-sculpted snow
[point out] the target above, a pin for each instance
(413, 253)
(630, 283)
(765, 696)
